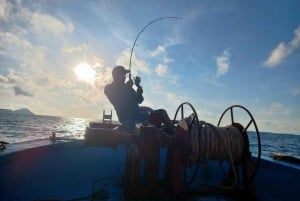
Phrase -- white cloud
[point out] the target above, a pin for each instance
(33, 75)
(275, 109)
(13, 44)
(84, 47)
(3, 79)
(277, 55)
(21, 20)
(137, 65)
(161, 70)
(42, 23)
(84, 95)
(31, 55)
(283, 50)
(167, 60)
(160, 50)
(174, 99)
(279, 125)
(295, 42)
(17, 82)
(103, 77)
(223, 63)
(161, 53)
(5, 9)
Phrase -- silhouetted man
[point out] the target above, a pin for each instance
(126, 102)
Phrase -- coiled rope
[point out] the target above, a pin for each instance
(215, 143)
(208, 142)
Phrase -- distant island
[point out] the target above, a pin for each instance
(19, 111)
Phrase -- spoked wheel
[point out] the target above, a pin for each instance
(254, 159)
(190, 171)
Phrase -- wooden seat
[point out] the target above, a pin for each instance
(107, 118)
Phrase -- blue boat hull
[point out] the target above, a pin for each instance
(43, 170)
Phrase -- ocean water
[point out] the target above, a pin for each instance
(15, 128)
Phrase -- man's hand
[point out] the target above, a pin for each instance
(129, 83)
(137, 81)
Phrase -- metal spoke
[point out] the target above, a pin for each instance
(254, 161)
(231, 112)
(194, 169)
(246, 128)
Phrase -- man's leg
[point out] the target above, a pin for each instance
(157, 117)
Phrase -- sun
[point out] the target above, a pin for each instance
(85, 72)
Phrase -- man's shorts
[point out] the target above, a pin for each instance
(130, 124)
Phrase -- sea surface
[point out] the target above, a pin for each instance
(16, 128)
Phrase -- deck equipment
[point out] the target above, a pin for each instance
(187, 154)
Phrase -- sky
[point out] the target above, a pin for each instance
(56, 56)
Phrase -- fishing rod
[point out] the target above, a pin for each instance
(147, 25)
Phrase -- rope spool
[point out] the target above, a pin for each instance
(201, 142)
(212, 143)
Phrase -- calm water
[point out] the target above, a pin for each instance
(19, 128)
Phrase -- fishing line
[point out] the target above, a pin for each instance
(147, 25)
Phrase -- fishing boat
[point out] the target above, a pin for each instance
(199, 161)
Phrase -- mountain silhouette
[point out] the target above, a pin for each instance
(19, 111)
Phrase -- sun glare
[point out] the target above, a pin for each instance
(85, 72)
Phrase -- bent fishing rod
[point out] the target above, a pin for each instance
(143, 29)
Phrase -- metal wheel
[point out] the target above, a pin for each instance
(191, 169)
(254, 159)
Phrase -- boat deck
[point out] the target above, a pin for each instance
(68, 169)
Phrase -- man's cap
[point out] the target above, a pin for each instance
(119, 70)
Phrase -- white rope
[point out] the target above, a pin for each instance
(209, 142)
(214, 143)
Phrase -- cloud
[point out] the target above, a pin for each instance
(19, 91)
(164, 99)
(83, 47)
(223, 63)
(13, 45)
(19, 17)
(10, 79)
(275, 109)
(158, 51)
(20, 39)
(34, 66)
(277, 55)
(5, 9)
(161, 70)
(3, 79)
(20, 83)
(84, 95)
(283, 50)
(43, 23)
(284, 125)
(138, 65)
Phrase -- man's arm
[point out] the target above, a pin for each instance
(139, 94)
(139, 91)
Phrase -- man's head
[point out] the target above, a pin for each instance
(119, 73)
